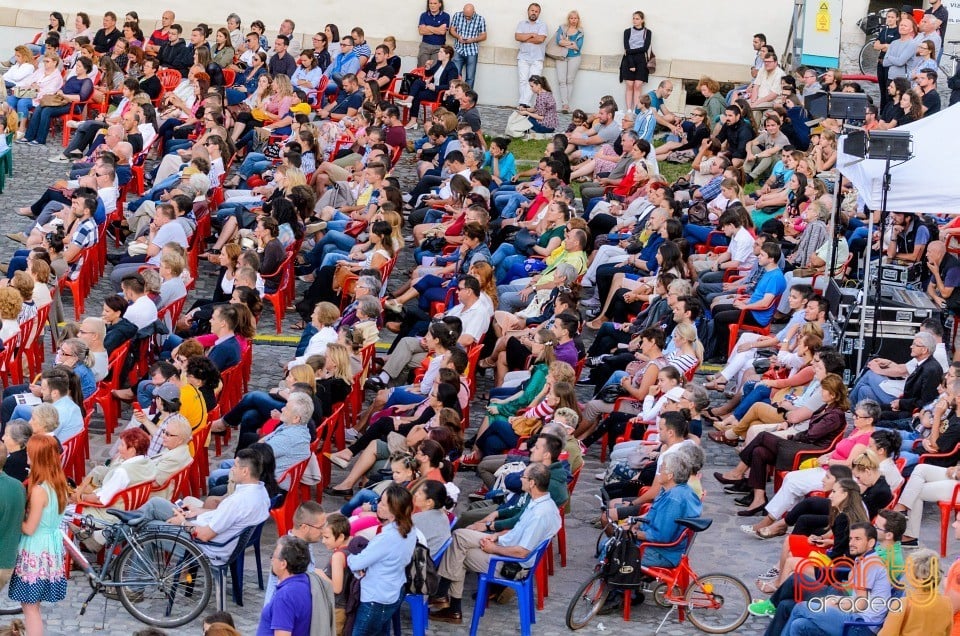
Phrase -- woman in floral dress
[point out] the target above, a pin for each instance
(39, 575)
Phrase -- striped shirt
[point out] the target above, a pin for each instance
(467, 30)
(84, 236)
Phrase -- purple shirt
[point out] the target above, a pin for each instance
(290, 609)
(567, 352)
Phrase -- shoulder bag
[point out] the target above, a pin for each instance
(554, 50)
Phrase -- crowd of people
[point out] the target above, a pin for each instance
(275, 166)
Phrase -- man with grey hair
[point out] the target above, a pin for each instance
(92, 332)
(676, 501)
(922, 372)
(594, 189)
(290, 440)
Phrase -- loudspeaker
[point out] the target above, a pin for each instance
(889, 144)
(817, 105)
(848, 106)
(837, 105)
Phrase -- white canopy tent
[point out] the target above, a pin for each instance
(929, 183)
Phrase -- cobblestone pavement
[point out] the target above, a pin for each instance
(723, 548)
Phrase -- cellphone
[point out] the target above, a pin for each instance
(137, 408)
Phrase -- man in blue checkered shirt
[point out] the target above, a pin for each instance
(83, 206)
(468, 28)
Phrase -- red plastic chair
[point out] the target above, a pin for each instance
(104, 394)
(77, 112)
(81, 285)
(803, 456)
(178, 484)
(72, 459)
(739, 327)
(947, 510)
(200, 467)
(283, 515)
(284, 295)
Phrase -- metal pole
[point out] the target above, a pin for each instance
(883, 222)
(865, 294)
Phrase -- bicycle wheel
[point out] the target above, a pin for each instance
(717, 603)
(588, 600)
(869, 57)
(167, 580)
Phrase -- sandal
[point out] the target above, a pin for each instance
(715, 385)
(766, 586)
(487, 364)
(710, 416)
(769, 532)
(300, 325)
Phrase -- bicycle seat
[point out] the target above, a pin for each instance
(131, 518)
(697, 524)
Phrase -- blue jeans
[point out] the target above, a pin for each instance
(538, 127)
(508, 203)
(250, 414)
(401, 395)
(234, 96)
(39, 125)
(374, 619)
(497, 258)
(23, 105)
(615, 378)
(308, 332)
(253, 163)
(829, 622)
(467, 65)
(759, 393)
(510, 298)
(868, 388)
(498, 438)
(333, 240)
(17, 263)
(333, 257)
(362, 496)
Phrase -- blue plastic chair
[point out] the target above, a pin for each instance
(236, 568)
(419, 609)
(220, 570)
(523, 589)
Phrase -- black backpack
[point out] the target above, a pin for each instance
(622, 564)
(422, 577)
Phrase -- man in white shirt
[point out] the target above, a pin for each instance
(253, 47)
(475, 311)
(216, 530)
(142, 311)
(766, 85)
(532, 36)
(163, 229)
(739, 254)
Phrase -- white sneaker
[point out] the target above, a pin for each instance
(600, 476)
(350, 435)
(405, 101)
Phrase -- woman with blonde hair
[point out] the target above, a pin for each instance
(335, 379)
(325, 314)
(570, 37)
(272, 114)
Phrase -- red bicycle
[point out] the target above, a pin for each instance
(714, 603)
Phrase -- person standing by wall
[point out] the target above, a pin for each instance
(468, 28)
(532, 36)
(570, 37)
(434, 23)
(633, 67)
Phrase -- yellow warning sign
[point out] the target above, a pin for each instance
(823, 18)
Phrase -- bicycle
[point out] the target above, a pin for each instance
(158, 573)
(870, 24)
(948, 62)
(713, 603)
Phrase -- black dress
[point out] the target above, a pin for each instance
(635, 59)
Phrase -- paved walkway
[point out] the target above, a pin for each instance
(722, 548)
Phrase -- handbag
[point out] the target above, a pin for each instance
(24, 93)
(52, 101)
(554, 50)
(523, 241)
(698, 214)
(517, 125)
(610, 393)
(651, 61)
(525, 426)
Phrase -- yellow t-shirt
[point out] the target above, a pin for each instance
(193, 408)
